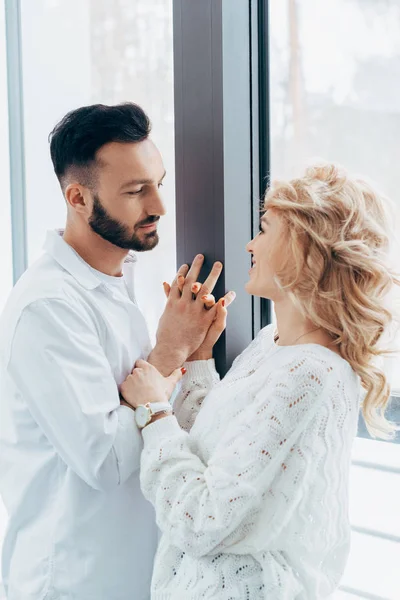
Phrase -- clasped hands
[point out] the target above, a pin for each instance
(190, 326)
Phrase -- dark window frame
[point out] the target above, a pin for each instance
(222, 148)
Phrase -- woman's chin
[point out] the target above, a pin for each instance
(249, 287)
(253, 290)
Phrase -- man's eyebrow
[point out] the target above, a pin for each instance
(140, 181)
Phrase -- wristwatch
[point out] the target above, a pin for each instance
(145, 412)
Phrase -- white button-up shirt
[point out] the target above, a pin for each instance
(79, 527)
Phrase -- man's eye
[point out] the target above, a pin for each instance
(135, 193)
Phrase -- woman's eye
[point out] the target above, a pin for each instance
(160, 184)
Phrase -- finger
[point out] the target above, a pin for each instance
(141, 364)
(221, 312)
(196, 287)
(176, 376)
(219, 323)
(167, 288)
(181, 283)
(212, 279)
(193, 274)
(229, 298)
(182, 271)
(208, 300)
(222, 304)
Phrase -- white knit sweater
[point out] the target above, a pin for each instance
(250, 479)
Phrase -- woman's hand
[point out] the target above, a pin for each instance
(145, 384)
(185, 322)
(218, 325)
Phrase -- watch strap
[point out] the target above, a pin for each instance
(158, 407)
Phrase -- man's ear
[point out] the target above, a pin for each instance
(78, 198)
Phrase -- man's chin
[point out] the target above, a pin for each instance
(149, 241)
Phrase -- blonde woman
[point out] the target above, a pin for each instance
(249, 477)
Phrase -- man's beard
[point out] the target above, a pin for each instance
(118, 234)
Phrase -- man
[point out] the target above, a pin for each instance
(79, 527)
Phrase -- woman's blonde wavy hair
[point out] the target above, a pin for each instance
(336, 271)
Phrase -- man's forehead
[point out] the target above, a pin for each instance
(141, 162)
(117, 151)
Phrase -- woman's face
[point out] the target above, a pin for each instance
(267, 248)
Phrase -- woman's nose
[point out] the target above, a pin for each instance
(249, 247)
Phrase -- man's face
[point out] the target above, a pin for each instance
(126, 202)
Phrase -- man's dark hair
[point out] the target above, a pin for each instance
(76, 139)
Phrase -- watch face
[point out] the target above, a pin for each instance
(142, 416)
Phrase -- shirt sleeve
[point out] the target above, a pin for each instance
(206, 506)
(200, 377)
(60, 369)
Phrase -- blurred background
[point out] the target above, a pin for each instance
(333, 93)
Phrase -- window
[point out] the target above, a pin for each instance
(5, 206)
(334, 95)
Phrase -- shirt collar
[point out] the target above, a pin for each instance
(70, 260)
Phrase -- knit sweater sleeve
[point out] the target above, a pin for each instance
(204, 507)
(200, 378)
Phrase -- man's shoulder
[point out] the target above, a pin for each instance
(44, 283)
(44, 280)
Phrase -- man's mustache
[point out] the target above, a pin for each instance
(148, 221)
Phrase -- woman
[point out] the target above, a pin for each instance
(249, 478)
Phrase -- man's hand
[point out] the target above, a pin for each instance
(205, 351)
(145, 384)
(185, 321)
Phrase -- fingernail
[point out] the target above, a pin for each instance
(204, 297)
(181, 277)
(223, 302)
(183, 370)
(199, 256)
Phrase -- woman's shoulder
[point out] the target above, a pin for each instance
(305, 357)
(317, 354)
(300, 361)
(313, 371)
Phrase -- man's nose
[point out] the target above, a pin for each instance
(155, 205)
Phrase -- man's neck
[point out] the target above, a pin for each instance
(95, 251)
